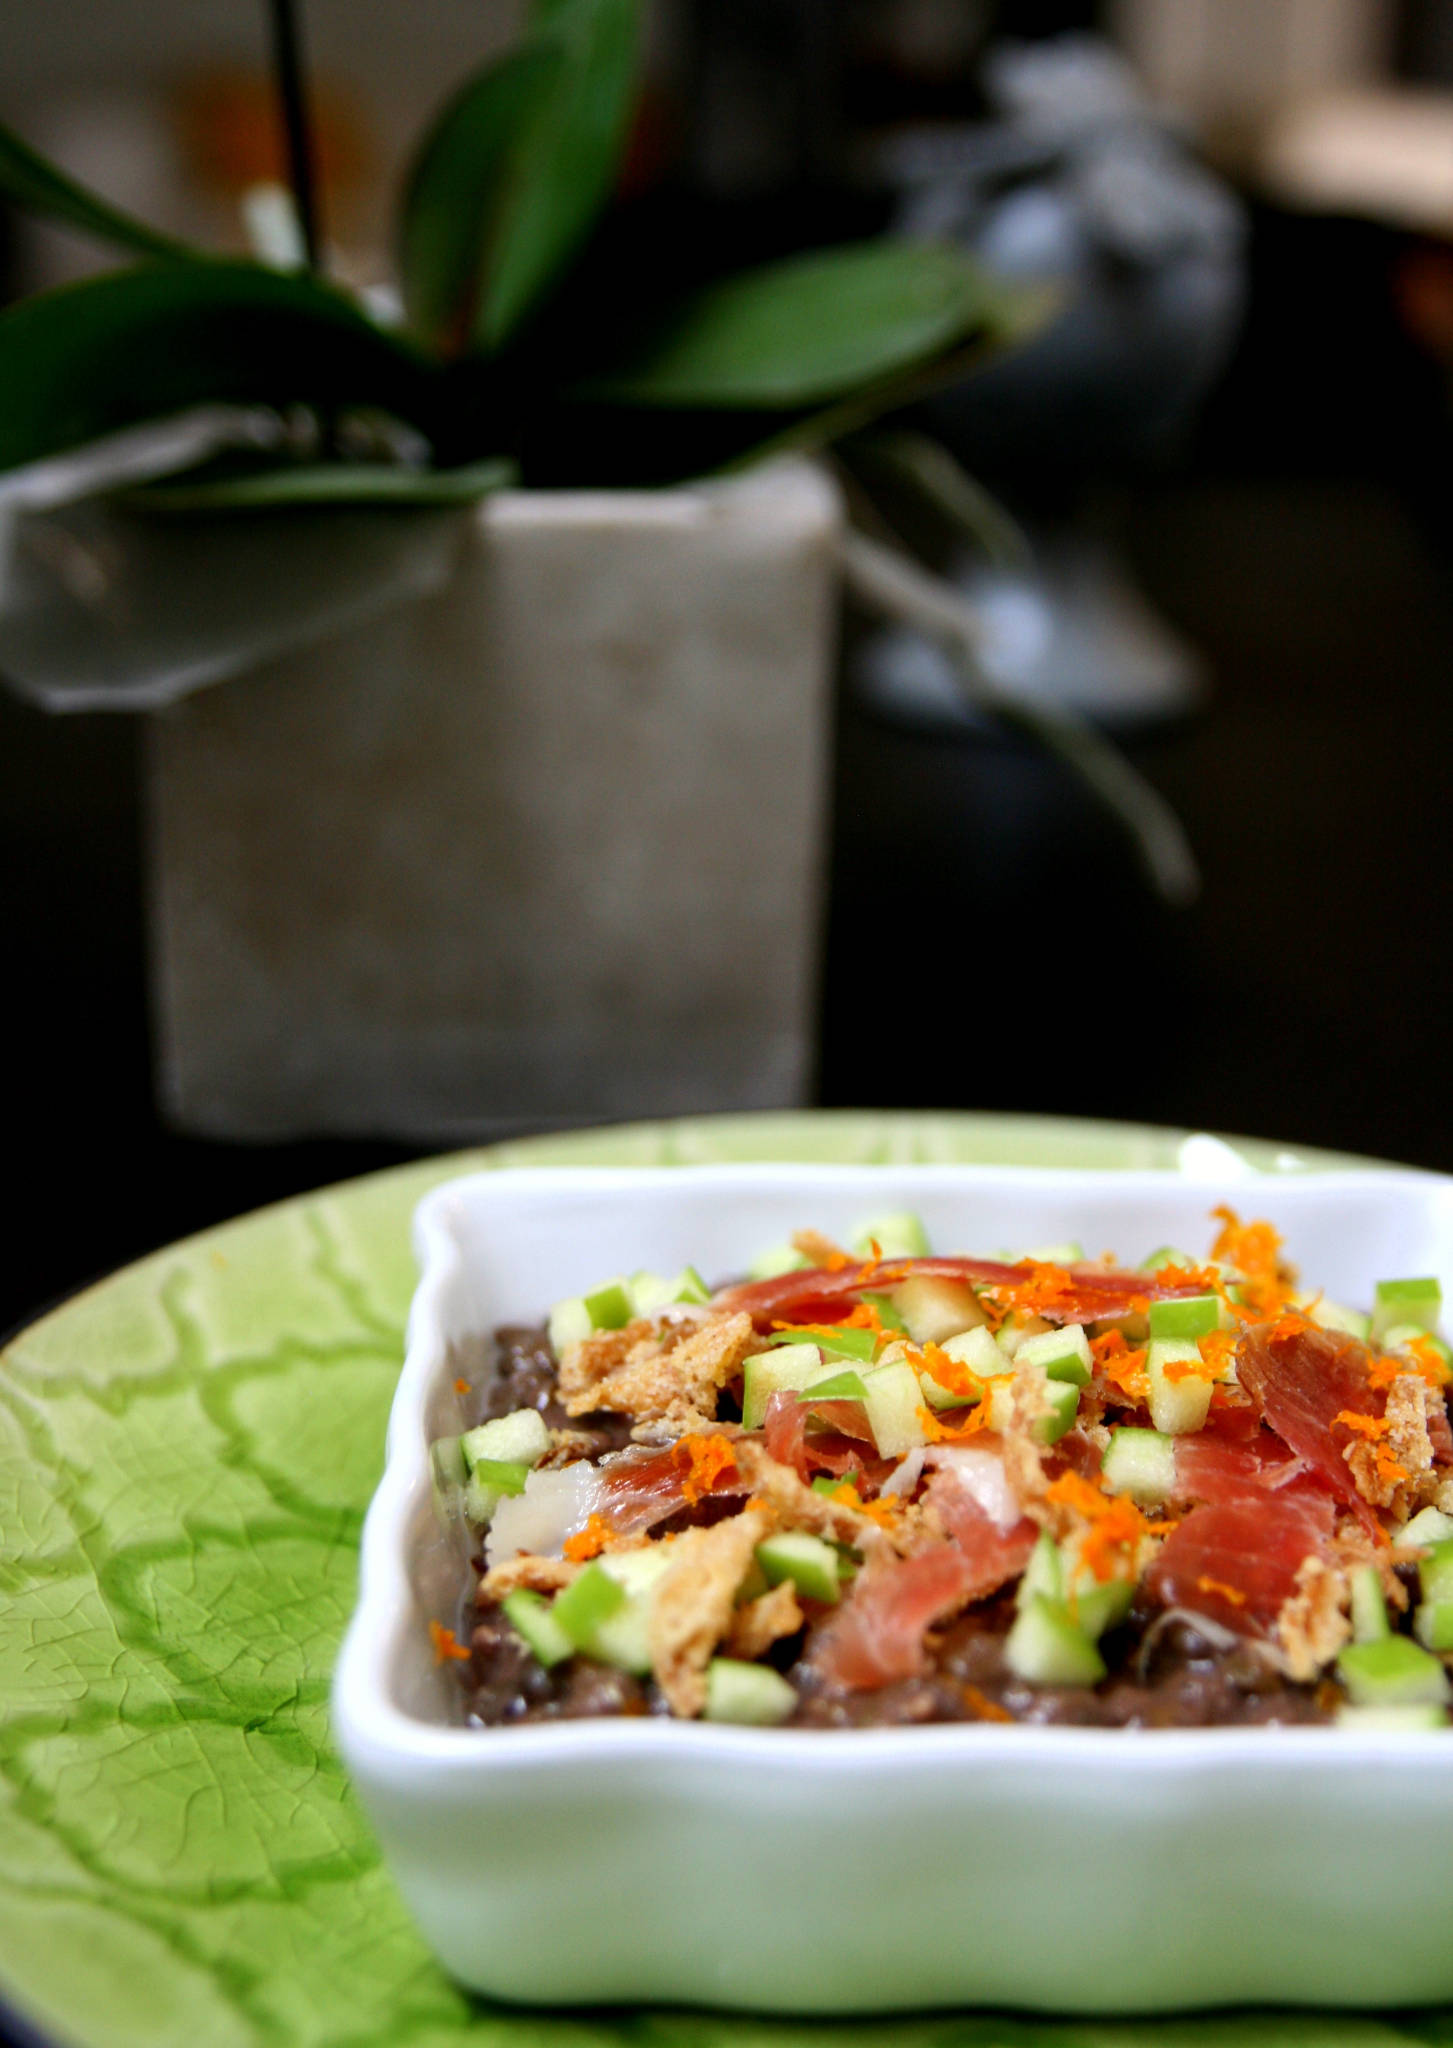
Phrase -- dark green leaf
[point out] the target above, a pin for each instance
(108, 353)
(807, 330)
(565, 167)
(28, 179)
(328, 483)
(458, 183)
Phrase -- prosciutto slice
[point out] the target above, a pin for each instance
(816, 1295)
(785, 1434)
(1238, 1562)
(1221, 1472)
(642, 1487)
(1301, 1382)
(877, 1634)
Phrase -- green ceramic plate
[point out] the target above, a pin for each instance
(186, 1453)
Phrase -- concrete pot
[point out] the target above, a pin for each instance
(544, 847)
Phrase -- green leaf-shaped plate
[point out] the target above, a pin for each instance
(186, 1453)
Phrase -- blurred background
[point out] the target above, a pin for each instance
(1227, 453)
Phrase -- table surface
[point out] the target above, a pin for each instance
(186, 1454)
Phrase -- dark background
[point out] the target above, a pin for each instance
(1300, 538)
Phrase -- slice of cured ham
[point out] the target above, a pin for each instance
(815, 1294)
(1301, 1381)
(785, 1434)
(1221, 1472)
(877, 1634)
(1238, 1563)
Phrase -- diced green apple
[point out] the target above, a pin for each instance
(1142, 1464)
(521, 1437)
(1433, 1625)
(899, 1234)
(935, 1310)
(1369, 1609)
(533, 1619)
(776, 1260)
(837, 1386)
(1177, 1405)
(1394, 1672)
(1046, 1647)
(1062, 1401)
(569, 1324)
(810, 1564)
(1435, 1573)
(1390, 1720)
(1333, 1315)
(609, 1306)
(1044, 1573)
(787, 1370)
(1168, 1255)
(1059, 1354)
(752, 1695)
(1012, 1333)
(833, 1343)
(1418, 1301)
(1183, 1321)
(893, 1399)
(1431, 1526)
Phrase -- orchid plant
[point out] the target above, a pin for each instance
(497, 347)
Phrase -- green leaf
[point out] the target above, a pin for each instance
(28, 179)
(807, 330)
(455, 189)
(328, 483)
(565, 167)
(112, 351)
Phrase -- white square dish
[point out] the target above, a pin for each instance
(1060, 1869)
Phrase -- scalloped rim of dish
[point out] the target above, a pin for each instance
(362, 1699)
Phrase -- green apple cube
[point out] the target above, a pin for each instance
(1435, 1573)
(934, 1310)
(893, 1398)
(1069, 1253)
(609, 1306)
(887, 1312)
(787, 1370)
(776, 1260)
(1195, 1315)
(504, 1475)
(1431, 1526)
(521, 1437)
(832, 1343)
(1044, 1573)
(977, 1350)
(651, 1292)
(1012, 1334)
(1059, 1354)
(1142, 1464)
(1047, 1647)
(898, 1235)
(1177, 1405)
(1390, 1720)
(1168, 1255)
(1392, 1673)
(591, 1598)
(1433, 1625)
(752, 1695)
(810, 1564)
(569, 1324)
(1334, 1315)
(1369, 1609)
(1062, 1398)
(837, 1386)
(533, 1620)
(1405, 1301)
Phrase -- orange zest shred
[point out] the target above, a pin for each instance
(1370, 1426)
(446, 1644)
(701, 1460)
(937, 1431)
(1255, 1250)
(1122, 1366)
(884, 1512)
(1116, 1523)
(981, 1706)
(1232, 1593)
(590, 1541)
(1422, 1357)
(951, 1375)
(461, 1386)
(836, 1262)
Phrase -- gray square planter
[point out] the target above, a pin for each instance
(546, 847)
